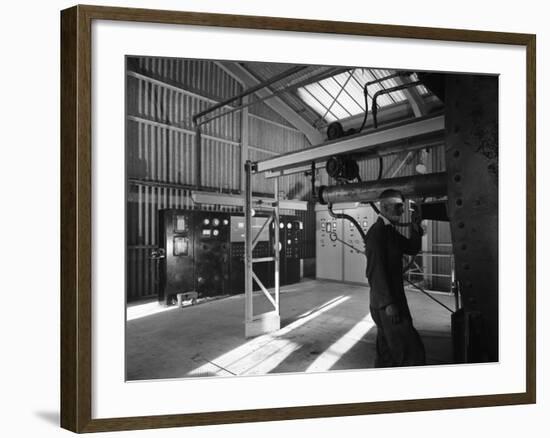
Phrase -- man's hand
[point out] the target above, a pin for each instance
(393, 313)
(416, 219)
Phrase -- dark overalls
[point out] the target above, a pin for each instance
(397, 344)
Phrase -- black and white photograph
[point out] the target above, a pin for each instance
(276, 219)
(298, 218)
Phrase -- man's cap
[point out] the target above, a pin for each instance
(392, 196)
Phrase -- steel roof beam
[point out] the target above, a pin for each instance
(356, 143)
(276, 103)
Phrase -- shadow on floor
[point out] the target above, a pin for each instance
(51, 417)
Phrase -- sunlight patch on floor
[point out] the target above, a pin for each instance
(331, 355)
(264, 353)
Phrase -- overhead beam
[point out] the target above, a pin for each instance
(357, 143)
(387, 150)
(238, 71)
(201, 197)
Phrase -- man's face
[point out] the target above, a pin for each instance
(393, 210)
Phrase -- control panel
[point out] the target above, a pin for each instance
(211, 247)
(328, 250)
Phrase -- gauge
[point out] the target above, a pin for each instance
(215, 222)
(289, 225)
(281, 225)
(206, 221)
(216, 232)
(225, 222)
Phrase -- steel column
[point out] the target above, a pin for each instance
(471, 111)
(276, 243)
(269, 321)
(248, 245)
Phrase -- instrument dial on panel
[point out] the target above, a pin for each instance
(206, 221)
(225, 222)
(281, 225)
(215, 232)
(215, 222)
(289, 225)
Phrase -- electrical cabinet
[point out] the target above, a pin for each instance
(355, 262)
(195, 245)
(335, 260)
(177, 265)
(328, 264)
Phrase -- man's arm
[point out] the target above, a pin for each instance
(413, 244)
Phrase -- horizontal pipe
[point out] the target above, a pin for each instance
(418, 186)
(251, 90)
(260, 99)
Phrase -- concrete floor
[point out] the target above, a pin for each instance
(324, 326)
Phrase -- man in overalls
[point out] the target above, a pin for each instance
(397, 342)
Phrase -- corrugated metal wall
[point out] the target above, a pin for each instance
(162, 97)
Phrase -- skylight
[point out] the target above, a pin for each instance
(341, 96)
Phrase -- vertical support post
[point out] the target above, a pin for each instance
(276, 243)
(428, 237)
(248, 244)
(244, 140)
(427, 261)
(198, 157)
(471, 158)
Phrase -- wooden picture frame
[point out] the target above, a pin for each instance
(76, 218)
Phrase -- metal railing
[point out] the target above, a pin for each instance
(416, 270)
